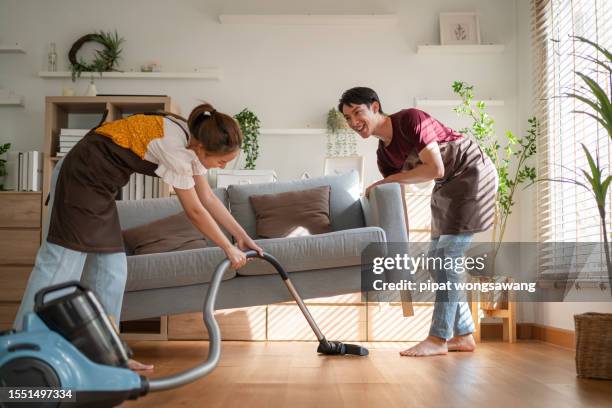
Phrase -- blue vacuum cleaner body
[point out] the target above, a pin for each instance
(40, 357)
(69, 344)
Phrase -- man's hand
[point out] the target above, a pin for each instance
(370, 187)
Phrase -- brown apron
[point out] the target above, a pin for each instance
(84, 215)
(463, 201)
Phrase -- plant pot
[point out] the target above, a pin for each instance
(493, 272)
(594, 345)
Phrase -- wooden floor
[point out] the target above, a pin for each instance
(291, 374)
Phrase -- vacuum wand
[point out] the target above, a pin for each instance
(214, 334)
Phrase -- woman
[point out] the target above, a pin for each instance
(84, 224)
(413, 147)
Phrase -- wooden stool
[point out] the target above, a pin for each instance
(507, 315)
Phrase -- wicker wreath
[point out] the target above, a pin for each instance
(105, 59)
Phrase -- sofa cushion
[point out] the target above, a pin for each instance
(133, 213)
(345, 208)
(170, 269)
(173, 233)
(331, 250)
(293, 213)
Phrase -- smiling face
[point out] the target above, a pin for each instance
(362, 118)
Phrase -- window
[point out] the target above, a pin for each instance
(566, 212)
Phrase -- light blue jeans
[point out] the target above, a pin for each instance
(451, 315)
(105, 274)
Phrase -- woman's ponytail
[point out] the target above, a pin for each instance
(217, 132)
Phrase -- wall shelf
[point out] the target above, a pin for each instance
(309, 19)
(293, 131)
(11, 49)
(432, 103)
(208, 73)
(461, 49)
(12, 101)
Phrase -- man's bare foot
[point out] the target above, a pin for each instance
(138, 366)
(462, 343)
(431, 346)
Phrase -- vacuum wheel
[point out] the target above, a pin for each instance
(28, 372)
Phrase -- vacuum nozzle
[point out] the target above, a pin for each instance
(339, 348)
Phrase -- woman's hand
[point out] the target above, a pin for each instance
(237, 258)
(245, 243)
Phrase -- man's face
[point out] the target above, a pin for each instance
(361, 118)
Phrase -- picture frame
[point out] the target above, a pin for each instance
(340, 165)
(459, 29)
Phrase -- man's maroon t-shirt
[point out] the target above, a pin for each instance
(413, 129)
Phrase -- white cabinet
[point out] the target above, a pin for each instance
(229, 177)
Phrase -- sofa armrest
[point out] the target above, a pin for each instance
(385, 209)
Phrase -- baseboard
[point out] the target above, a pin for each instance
(531, 331)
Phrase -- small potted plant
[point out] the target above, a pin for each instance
(250, 125)
(341, 140)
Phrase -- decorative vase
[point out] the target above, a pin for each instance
(91, 89)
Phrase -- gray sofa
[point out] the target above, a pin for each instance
(319, 265)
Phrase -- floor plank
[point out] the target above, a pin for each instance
(291, 374)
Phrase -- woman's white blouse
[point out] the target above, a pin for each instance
(176, 164)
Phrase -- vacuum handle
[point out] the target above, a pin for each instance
(272, 260)
(40, 295)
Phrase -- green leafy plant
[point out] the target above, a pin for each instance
(250, 125)
(3, 149)
(340, 138)
(593, 178)
(105, 59)
(518, 148)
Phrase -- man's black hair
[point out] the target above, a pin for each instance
(360, 95)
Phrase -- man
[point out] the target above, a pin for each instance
(413, 147)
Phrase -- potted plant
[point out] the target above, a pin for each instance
(341, 140)
(250, 125)
(510, 177)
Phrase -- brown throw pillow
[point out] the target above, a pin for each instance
(173, 233)
(293, 213)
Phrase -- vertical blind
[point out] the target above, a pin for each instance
(566, 212)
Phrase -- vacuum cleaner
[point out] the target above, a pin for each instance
(68, 343)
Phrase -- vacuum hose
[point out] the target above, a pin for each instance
(214, 334)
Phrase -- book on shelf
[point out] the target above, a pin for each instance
(70, 139)
(73, 133)
(24, 171)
